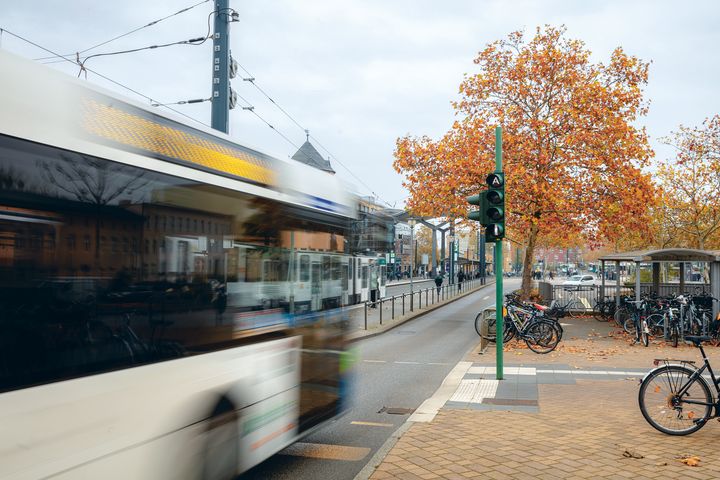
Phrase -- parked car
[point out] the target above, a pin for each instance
(577, 280)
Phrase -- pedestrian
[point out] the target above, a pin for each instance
(439, 282)
(551, 275)
(460, 277)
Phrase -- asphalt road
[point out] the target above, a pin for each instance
(397, 370)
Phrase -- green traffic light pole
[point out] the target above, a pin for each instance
(498, 273)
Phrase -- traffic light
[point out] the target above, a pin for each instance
(475, 214)
(492, 207)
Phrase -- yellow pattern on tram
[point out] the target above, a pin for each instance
(114, 124)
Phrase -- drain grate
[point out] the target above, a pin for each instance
(396, 410)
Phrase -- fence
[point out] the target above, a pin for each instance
(389, 308)
(587, 295)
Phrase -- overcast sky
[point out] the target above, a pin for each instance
(359, 74)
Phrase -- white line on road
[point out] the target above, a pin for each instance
(486, 297)
(374, 361)
(409, 363)
(429, 408)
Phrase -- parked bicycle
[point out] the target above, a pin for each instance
(675, 398)
(525, 322)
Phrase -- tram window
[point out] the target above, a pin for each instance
(344, 276)
(383, 275)
(304, 268)
(335, 267)
(365, 276)
(326, 274)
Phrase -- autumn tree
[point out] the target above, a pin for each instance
(573, 157)
(691, 185)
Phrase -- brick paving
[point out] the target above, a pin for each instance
(587, 428)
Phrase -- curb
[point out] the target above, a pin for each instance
(362, 334)
(382, 452)
(424, 413)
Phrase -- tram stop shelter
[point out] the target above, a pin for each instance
(667, 255)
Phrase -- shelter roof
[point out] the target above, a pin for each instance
(664, 255)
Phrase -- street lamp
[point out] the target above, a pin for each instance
(451, 273)
(412, 222)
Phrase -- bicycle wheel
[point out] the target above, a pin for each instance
(599, 312)
(665, 410)
(674, 335)
(491, 333)
(576, 309)
(541, 337)
(478, 322)
(656, 324)
(629, 325)
(621, 314)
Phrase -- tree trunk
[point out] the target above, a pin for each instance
(527, 262)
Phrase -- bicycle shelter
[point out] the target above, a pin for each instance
(666, 255)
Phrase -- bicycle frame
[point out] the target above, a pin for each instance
(695, 376)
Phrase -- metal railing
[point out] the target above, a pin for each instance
(388, 308)
(588, 295)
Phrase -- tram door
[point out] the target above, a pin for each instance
(315, 287)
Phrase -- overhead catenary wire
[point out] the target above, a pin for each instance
(251, 80)
(64, 57)
(154, 22)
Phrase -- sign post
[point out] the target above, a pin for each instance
(499, 330)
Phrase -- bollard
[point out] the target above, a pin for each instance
(381, 302)
(393, 307)
(403, 303)
(365, 315)
(420, 299)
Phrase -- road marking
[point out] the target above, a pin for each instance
(429, 408)
(409, 363)
(474, 391)
(326, 452)
(372, 424)
(486, 297)
(374, 361)
(437, 363)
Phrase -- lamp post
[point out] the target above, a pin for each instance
(451, 273)
(412, 222)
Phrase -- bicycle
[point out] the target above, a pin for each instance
(675, 398)
(540, 335)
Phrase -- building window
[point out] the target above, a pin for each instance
(71, 242)
(86, 242)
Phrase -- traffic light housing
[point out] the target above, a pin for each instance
(492, 207)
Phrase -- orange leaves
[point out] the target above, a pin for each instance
(572, 154)
(690, 460)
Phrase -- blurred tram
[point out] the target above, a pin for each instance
(170, 300)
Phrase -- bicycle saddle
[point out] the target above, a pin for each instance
(697, 339)
(542, 308)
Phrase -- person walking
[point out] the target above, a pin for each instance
(439, 282)
(460, 278)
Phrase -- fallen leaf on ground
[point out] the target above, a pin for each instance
(690, 460)
(631, 454)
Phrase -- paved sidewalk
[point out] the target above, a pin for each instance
(571, 414)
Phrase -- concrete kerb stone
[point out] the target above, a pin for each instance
(361, 334)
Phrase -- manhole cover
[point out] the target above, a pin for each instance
(396, 410)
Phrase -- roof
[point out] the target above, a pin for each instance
(308, 155)
(664, 255)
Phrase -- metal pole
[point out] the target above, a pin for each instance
(433, 254)
(412, 261)
(498, 274)
(220, 110)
